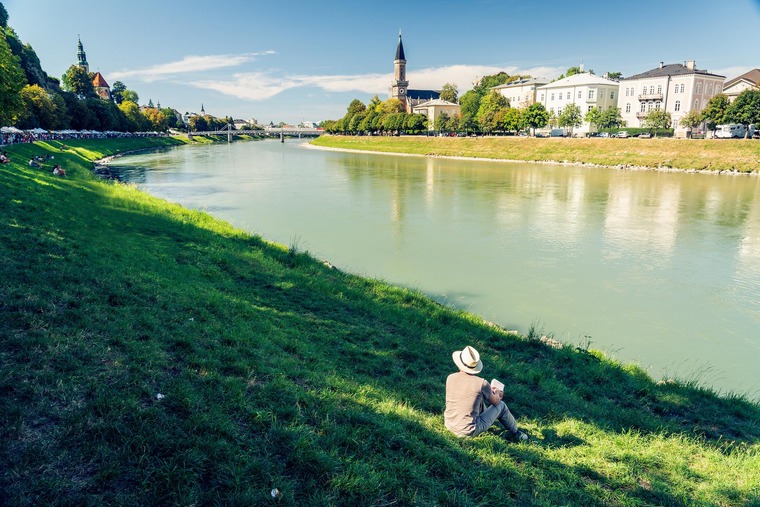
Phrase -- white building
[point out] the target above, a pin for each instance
(735, 86)
(676, 88)
(587, 91)
(521, 93)
(434, 108)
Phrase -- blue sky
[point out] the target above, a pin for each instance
(297, 60)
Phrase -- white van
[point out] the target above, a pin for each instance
(730, 131)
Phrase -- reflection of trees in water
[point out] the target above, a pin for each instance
(637, 210)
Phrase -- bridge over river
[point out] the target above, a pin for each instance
(280, 132)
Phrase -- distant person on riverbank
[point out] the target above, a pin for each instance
(4, 158)
(59, 171)
(466, 413)
(34, 163)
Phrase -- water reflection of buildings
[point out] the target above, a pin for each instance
(642, 217)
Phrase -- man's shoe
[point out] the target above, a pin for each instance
(521, 437)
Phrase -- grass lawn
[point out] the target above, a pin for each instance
(704, 154)
(152, 355)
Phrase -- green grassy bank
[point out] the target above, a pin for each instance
(276, 371)
(704, 154)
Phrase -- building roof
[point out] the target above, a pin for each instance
(671, 69)
(423, 94)
(753, 77)
(400, 49)
(436, 102)
(98, 81)
(538, 81)
(580, 79)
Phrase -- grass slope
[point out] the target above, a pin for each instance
(277, 371)
(705, 154)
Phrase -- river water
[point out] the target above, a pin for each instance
(653, 267)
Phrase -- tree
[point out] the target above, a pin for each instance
(593, 117)
(490, 105)
(393, 105)
(614, 75)
(535, 116)
(12, 81)
(116, 90)
(570, 117)
(572, 71)
(156, 119)
(78, 81)
(150, 103)
(441, 123)
(135, 119)
(714, 112)
(3, 16)
(657, 119)
(416, 122)
(449, 92)
(745, 109)
(691, 120)
(611, 118)
(40, 110)
(509, 119)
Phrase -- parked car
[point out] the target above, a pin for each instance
(730, 131)
(645, 135)
(622, 134)
(604, 134)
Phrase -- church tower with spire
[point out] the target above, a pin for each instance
(82, 57)
(400, 85)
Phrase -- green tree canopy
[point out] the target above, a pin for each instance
(490, 106)
(714, 112)
(393, 105)
(40, 110)
(691, 120)
(593, 117)
(3, 16)
(611, 118)
(78, 81)
(745, 109)
(12, 81)
(535, 116)
(657, 119)
(441, 123)
(570, 117)
(449, 92)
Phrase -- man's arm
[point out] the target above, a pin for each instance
(495, 397)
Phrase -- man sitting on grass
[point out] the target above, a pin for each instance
(466, 415)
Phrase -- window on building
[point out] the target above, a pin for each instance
(542, 97)
(709, 89)
(682, 87)
(552, 96)
(628, 108)
(591, 94)
(643, 107)
(676, 90)
(590, 108)
(560, 95)
(651, 90)
(612, 95)
(677, 106)
(657, 105)
(580, 94)
(659, 89)
(696, 104)
(649, 106)
(699, 87)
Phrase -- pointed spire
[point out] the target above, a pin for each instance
(81, 56)
(400, 48)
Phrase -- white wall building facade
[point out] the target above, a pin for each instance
(521, 93)
(675, 88)
(434, 108)
(587, 91)
(747, 81)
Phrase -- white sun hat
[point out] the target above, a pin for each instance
(467, 360)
